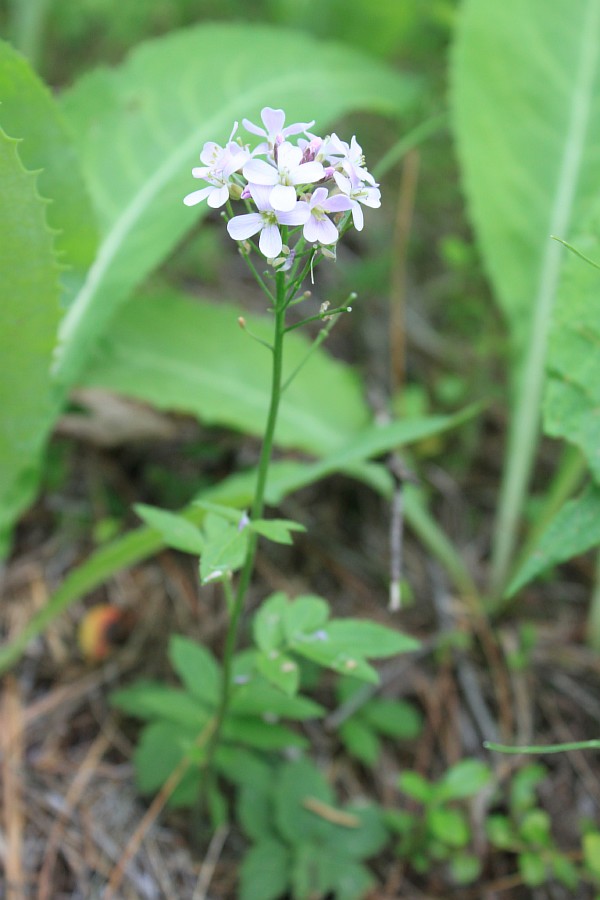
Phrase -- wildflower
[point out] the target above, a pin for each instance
(358, 193)
(319, 226)
(349, 157)
(274, 131)
(288, 171)
(220, 163)
(266, 221)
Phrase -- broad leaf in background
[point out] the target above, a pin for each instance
(574, 530)
(29, 112)
(192, 357)
(526, 99)
(526, 103)
(29, 314)
(572, 407)
(142, 126)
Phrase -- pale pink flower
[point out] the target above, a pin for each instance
(358, 193)
(266, 221)
(319, 226)
(287, 172)
(274, 130)
(220, 163)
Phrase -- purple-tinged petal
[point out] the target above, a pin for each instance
(242, 227)
(260, 172)
(342, 182)
(298, 216)
(283, 197)
(297, 128)
(319, 197)
(197, 196)
(308, 173)
(253, 129)
(327, 233)
(201, 171)
(337, 203)
(270, 242)
(273, 119)
(261, 194)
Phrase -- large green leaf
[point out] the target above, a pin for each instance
(526, 97)
(29, 314)
(193, 357)
(142, 126)
(29, 112)
(572, 408)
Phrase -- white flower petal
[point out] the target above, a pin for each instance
(308, 173)
(270, 242)
(218, 197)
(283, 197)
(260, 172)
(357, 216)
(197, 196)
(298, 216)
(242, 227)
(253, 129)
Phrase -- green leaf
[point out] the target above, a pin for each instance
(161, 749)
(304, 614)
(526, 99)
(156, 133)
(360, 740)
(535, 828)
(177, 531)
(375, 440)
(573, 394)
(256, 699)
(259, 735)
(416, 786)
(224, 548)
(532, 868)
(591, 852)
(296, 783)
(29, 112)
(29, 315)
(254, 806)
(277, 530)
(574, 530)
(393, 718)
(465, 868)
(320, 648)
(368, 639)
(167, 350)
(264, 873)
(279, 669)
(501, 832)
(362, 840)
(523, 787)
(464, 779)
(197, 668)
(449, 826)
(267, 625)
(155, 700)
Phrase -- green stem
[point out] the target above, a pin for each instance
(27, 21)
(256, 512)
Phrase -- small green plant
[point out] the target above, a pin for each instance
(526, 831)
(303, 843)
(369, 719)
(439, 830)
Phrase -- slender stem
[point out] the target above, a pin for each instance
(593, 621)
(256, 512)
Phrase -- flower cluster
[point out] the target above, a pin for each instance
(316, 184)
